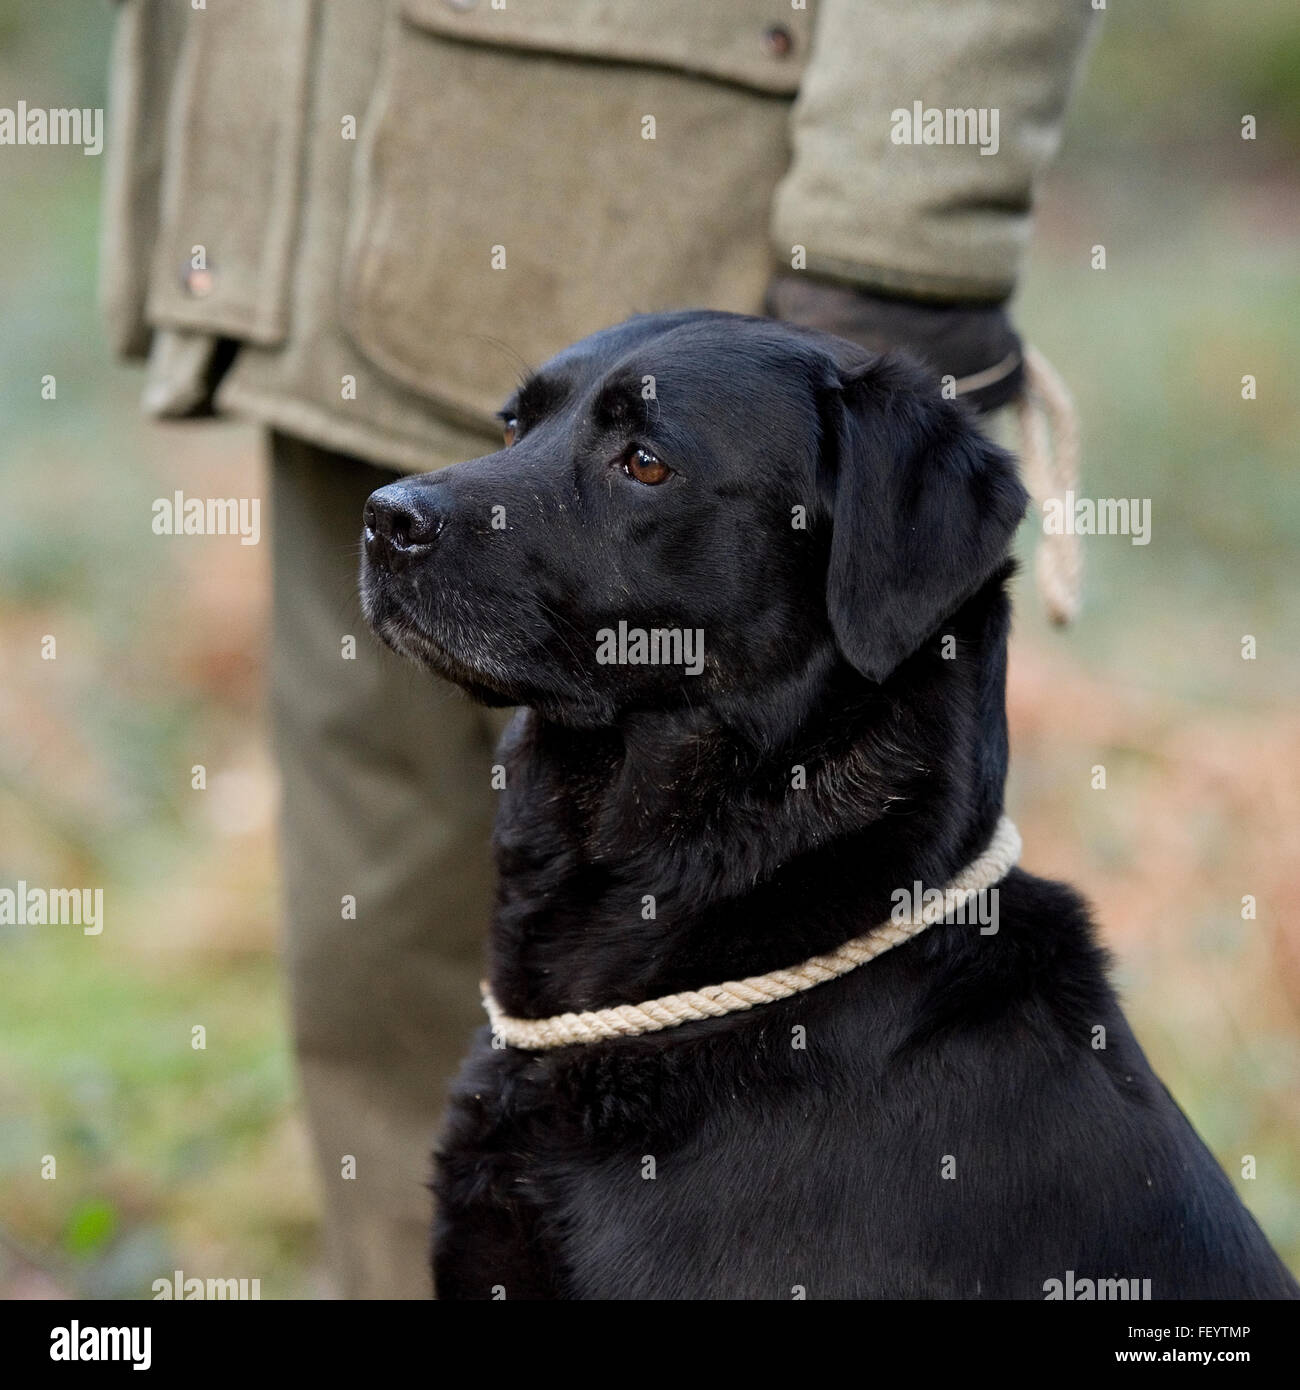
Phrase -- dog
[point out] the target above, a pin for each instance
(966, 1116)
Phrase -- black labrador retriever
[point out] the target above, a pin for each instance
(748, 585)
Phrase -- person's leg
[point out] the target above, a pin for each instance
(386, 818)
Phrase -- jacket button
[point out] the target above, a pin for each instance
(196, 282)
(778, 41)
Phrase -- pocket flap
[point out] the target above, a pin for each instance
(761, 44)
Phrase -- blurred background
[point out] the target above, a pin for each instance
(171, 1158)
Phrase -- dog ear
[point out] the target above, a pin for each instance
(923, 511)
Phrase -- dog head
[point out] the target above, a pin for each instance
(690, 509)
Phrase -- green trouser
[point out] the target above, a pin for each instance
(387, 803)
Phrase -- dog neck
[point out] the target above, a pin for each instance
(632, 858)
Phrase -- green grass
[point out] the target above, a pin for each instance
(147, 1130)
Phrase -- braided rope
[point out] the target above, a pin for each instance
(1050, 449)
(629, 1020)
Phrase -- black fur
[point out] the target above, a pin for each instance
(867, 648)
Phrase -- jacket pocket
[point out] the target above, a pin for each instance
(147, 38)
(532, 174)
(230, 178)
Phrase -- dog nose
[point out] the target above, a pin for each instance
(399, 521)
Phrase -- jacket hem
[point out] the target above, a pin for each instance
(321, 427)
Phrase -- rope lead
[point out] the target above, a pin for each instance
(1049, 450)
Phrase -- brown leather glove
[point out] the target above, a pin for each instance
(972, 342)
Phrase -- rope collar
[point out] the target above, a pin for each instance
(629, 1020)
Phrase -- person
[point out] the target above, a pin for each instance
(357, 224)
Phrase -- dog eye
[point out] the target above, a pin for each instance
(642, 466)
(511, 429)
